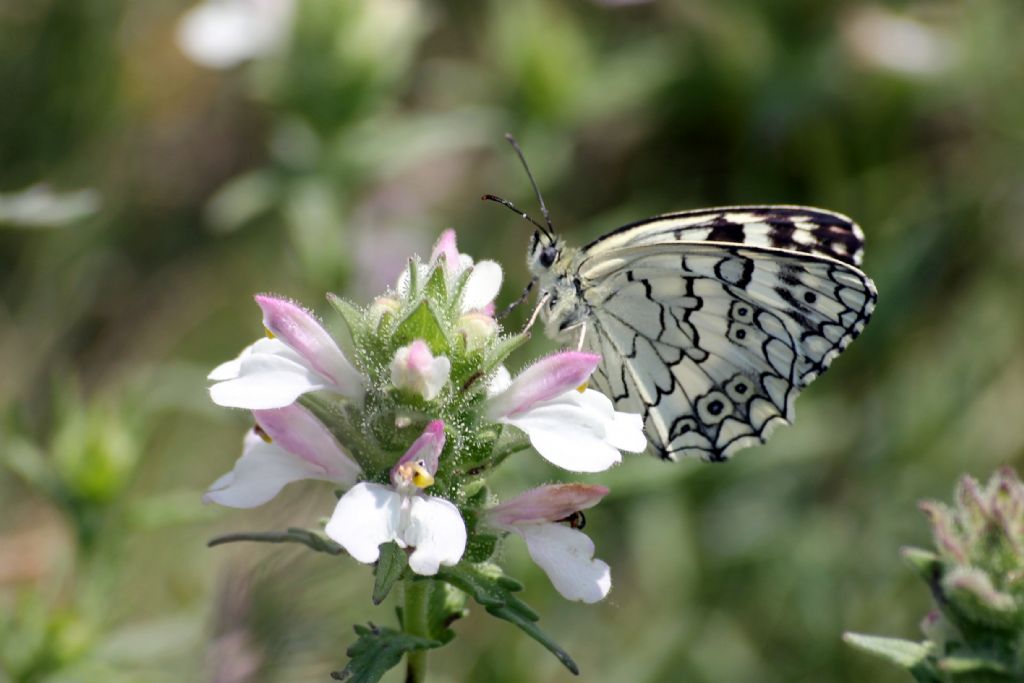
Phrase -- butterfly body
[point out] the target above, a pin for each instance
(709, 322)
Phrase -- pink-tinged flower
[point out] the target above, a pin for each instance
(549, 518)
(576, 430)
(221, 34)
(371, 514)
(300, 357)
(415, 369)
(484, 281)
(288, 444)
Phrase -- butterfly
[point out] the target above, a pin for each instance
(709, 322)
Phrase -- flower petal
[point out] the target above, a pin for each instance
(567, 557)
(623, 430)
(483, 285)
(266, 380)
(366, 516)
(233, 368)
(259, 475)
(298, 431)
(427, 447)
(549, 503)
(437, 533)
(446, 249)
(567, 435)
(297, 328)
(546, 379)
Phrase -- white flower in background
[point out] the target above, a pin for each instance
(300, 357)
(549, 518)
(484, 281)
(576, 430)
(371, 514)
(897, 42)
(415, 369)
(40, 206)
(221, 34)
(288, 444)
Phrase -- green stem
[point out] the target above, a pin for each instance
(415, 620)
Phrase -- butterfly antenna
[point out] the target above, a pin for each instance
(536, 190)
(512, 207)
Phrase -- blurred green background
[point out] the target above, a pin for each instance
(145, 194)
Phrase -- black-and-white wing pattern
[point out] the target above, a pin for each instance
(793, 228)
(712, 340)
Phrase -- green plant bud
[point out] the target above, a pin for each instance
(94, 453)
(477, 330)
(971, 593)
(976, 632)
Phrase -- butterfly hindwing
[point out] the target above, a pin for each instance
(712, 342)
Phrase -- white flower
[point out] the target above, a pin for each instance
(221, 34)
(576, 430)
(272, 373)
(288, 444)
(415, 369)
(371, 514)
(484, 281)
(549, 518)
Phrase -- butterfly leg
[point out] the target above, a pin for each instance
(583, 335)
(517, 302)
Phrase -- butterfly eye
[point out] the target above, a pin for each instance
(547, 256)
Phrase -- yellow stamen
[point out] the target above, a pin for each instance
(416, 474)
(270, 335)
(583, 387)
(421, 478)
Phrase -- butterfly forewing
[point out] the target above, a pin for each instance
(711, 342)
(792, 228)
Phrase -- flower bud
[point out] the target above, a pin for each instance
(380, 307)
(415, 369)
(477, 329)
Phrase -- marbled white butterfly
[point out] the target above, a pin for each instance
(709, 322)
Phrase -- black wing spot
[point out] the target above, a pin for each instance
(735, 270)
(724, 230)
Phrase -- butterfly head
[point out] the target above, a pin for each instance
(545, 252)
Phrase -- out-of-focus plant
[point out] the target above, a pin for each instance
(408, 414)
(59, 627)
(976, 575)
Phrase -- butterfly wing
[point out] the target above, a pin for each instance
(711, 341)
(792, 228)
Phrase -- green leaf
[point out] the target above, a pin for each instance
(437, 285)
(927, 564)
(459, 288)
(480, 547)
(963, 664)
(377, 650)
(389, 569)
(423, 324)
(447, 605)
(905, 653)
(353, 319)
(414, 277)
(501, 350)
(489, 587)
(305, 537)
